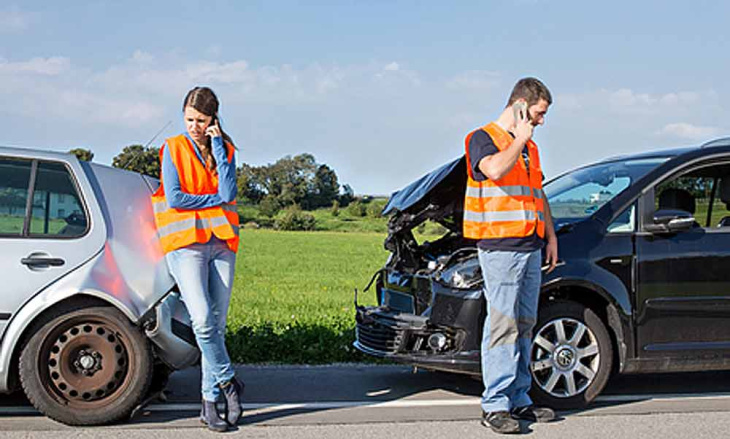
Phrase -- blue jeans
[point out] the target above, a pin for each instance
(204, 274)
(512, 288)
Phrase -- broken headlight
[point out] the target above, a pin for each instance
(463, 274)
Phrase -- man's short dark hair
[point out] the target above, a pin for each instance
(531, 90)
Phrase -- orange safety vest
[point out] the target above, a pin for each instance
(511, 207)
(179, 228)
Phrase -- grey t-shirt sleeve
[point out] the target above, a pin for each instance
(480, 145)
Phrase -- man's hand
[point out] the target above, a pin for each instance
(523, 127)
(551, 253)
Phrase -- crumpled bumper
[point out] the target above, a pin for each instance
(404, 338)
(171, 333)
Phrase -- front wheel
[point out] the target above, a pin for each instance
(571, 356)
(86, 367)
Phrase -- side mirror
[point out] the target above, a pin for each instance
(671, 221)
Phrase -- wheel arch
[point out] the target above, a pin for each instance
(608, 309)
(10, 380)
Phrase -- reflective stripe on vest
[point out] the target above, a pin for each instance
(179, 228)
(510, 215)
(511, 207)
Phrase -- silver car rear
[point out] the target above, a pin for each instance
(76, 236)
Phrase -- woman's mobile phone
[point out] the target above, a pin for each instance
(520, 110)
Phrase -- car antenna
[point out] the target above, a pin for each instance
(146, 145)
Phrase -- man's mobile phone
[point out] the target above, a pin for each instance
(520, 110)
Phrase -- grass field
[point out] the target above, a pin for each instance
(292, 299)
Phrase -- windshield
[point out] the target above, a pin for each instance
(579, 193)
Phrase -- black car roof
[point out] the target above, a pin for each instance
(671, 152)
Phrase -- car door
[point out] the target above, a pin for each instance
(45, 228)
(683, 282)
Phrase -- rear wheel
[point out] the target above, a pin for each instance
(572, 356)
(86, 367)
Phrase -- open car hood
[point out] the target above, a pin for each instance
(438, 195)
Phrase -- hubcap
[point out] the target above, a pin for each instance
(86, 362)
(565, 357)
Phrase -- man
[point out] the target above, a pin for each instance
(506, 210)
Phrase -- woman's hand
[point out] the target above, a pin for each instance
(213, 130)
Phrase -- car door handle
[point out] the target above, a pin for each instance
(35, 261)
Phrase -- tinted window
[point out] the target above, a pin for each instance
(703, 192)
(14, 181)
(57, 208)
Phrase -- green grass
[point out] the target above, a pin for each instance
(14, 225)
(292, 299)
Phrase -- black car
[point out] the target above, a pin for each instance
(642, 283)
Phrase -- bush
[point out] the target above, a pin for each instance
(375, 208)
(335, 210)
(295, 219)
(356, 209)
(269, 206)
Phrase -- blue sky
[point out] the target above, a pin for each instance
(382, 91)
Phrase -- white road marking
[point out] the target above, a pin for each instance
(404, 403)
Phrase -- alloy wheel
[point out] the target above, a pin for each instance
(565, 357)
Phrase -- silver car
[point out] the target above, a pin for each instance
(89, 315)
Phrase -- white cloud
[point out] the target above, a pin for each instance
(474, 80)
(221, 73)
(392, 67)
(628, 101)
(42, 66)
(688, 131)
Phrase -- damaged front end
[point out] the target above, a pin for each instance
(430, 308)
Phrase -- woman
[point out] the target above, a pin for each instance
(197, 222)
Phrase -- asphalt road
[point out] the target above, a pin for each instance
(392, 401)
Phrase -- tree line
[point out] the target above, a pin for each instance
(290, 181)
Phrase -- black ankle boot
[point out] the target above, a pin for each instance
(209, 416)
(233, 393)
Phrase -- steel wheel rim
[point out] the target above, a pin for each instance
(565, 357)
(83, 363)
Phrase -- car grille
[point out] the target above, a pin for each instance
(377, 337)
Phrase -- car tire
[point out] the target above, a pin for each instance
(87, 366)
(571, 356)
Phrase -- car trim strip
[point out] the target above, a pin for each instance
(5, 315)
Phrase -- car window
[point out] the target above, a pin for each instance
(625, 222)
(720, 215)
(57, 207)
(14, 181)
(704, 192)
